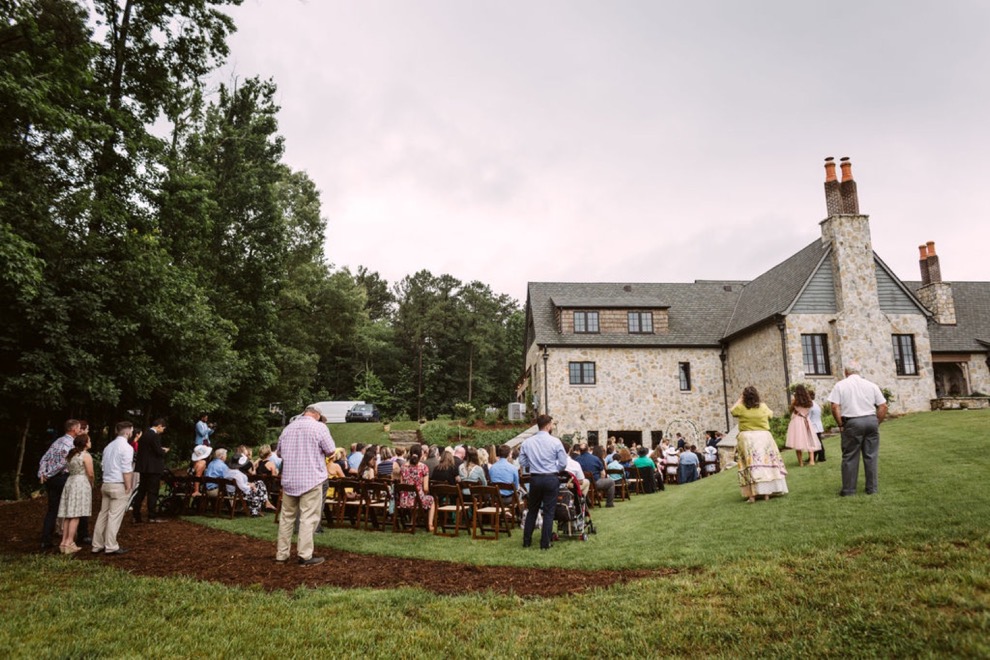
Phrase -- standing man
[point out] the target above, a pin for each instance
(118, 481)
(53, 473)
(859, 407)
(150, 466)
(303, 446)
(544, 456)
(204, 430)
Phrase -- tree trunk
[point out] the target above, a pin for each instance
(470, 373)
(20, 459)
(419, 387)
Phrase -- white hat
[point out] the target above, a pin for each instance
(201, 452)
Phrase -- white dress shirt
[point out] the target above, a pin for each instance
(118, 460)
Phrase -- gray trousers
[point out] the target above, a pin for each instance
(860, 435)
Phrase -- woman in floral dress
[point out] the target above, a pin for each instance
(77, 497)
(417, 474)
(761, 469)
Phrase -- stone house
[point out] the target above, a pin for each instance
(638, 360)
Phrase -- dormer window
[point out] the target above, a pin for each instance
(640, 323)
(586, 322)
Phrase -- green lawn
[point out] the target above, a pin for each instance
(902, 573)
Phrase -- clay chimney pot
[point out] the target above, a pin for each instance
(931, 248)
(923, 252)
(830, 169)
(846, 166)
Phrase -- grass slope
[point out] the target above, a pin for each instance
(902, 573)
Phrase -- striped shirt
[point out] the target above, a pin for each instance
(304, 446)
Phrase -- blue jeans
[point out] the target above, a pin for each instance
(543, 490)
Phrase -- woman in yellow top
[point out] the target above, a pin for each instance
(761, 469)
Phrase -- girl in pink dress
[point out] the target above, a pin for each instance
(800, 436)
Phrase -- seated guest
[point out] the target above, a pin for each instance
(266, 462)
(575, 468)
(647, 470)
(595, 466)
(624, 457)
(514, 458)
(367, 468)
(334, 469)
(471, 471)
(355, 458)
(711, 460)
(400, 458)
(417, 474)
(446, 470)
(255, 492)
(197, 464)
(433, 458)
(459, 454)
(242, 460)
(687, 467)
(614, 464)
(483, 460)
(386, 463)
(670, 461)
(504, 472)
(217, 469)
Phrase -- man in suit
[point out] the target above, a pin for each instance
(150, 464)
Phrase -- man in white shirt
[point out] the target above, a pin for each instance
(118, 481)
(858, 406)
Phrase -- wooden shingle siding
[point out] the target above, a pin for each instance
(819, 296)
(893, 300)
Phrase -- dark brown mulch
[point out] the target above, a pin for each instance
(183, 548)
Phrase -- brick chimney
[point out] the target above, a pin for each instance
(833, 198)
(847, 188)
(935, 294)
(923, 264)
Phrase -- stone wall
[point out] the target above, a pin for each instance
(635, 389)
(938, 297)
(911, 393)
(979, 373)
(757, 359)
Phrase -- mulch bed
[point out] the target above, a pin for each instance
(183, 548)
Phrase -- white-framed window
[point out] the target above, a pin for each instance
(684, 375)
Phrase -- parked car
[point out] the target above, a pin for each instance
(363, 412)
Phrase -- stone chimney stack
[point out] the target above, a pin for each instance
(923, 263)
(833, 198)
(847, 189)
(935, 294)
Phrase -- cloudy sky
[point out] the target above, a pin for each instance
(627, 140)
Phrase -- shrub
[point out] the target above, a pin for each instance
(491, 416)
(464, 410)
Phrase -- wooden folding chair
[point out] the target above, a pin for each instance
(621, 485)
(230, 500)
(487, 518)
(634, 481)
(399, 524)
(377, 500)
(594, 497)
(513, 508)
(450, 503)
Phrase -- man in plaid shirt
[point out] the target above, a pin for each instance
(53, 473)
(303, 446)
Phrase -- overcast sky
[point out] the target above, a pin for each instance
(656, 141)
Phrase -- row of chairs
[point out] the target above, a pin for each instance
(375, 505)
(180, 496)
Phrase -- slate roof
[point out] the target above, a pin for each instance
(972, 330)
(696, 316)
(774, 291)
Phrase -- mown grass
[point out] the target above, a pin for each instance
(902, 573)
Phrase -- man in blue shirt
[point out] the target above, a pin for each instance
(596, 468)
(217, 469)
(504, 472)
(543, 456)
(687, 467)
(204, 430)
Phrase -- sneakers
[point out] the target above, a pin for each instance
(312, 561)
